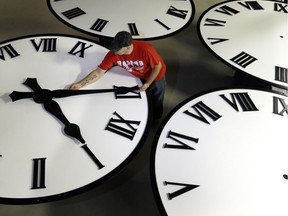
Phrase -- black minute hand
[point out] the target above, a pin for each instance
(16, 95)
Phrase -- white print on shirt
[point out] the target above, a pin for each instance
(132, 65)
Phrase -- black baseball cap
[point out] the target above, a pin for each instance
(121, 39)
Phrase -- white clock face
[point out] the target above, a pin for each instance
(251, 36)
(223, 153)
(144, 19)
(38, 161)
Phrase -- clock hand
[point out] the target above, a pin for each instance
(70, 129)
(42, 97)
(49, 94)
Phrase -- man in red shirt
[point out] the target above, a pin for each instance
(140, 59)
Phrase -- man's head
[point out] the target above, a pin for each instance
(121, 40)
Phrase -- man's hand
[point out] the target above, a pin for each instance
(75, 86)
(144, 87)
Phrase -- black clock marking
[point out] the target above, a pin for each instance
(74, 12)
(39, 173)
(128, 131)
(280, 8)
(47, 44)
(279, 101)
(243, 99)
(178, 138)
(99, 25)
(80, 48)
(243, 59)
(200, 108)
(281, 74)
(185, 188)
(217, 40)
(8, 49)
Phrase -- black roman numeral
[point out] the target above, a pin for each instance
(251, 5)
(162, 24)
(133, 29)
(201, 107)
(126, 129)
(281, 74)
(243, 59)
(243, 99)
(79, 48)
(185, 188)
(216, 40)
(8, 49)
(74, 12)
(129, 95)
(99, 25)
(47, 44)
(38, 180)
(214, 22)
(178, 138)
(227, 10)
(276, 109)
(177, 12)
(280, 8)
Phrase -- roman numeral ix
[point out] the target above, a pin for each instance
(79, 48)
(276, 108)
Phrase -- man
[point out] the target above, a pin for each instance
(140, 59)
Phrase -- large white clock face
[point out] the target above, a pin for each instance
(223, 153)
(144, 19)
(38, 161)
(251, 36)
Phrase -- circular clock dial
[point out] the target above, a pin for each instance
(250, 36)
(38, 160)
(223, 153)
(144, 19)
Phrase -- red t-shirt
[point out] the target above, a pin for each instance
(140, 62)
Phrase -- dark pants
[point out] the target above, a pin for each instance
(156, 91)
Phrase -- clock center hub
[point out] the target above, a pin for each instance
(42, 96)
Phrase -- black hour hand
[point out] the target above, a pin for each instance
(70, 129)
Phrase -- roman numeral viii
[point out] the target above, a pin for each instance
(243, 100)
(47, 44)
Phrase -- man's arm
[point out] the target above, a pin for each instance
(152, 76)
(92, 77)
